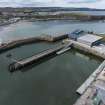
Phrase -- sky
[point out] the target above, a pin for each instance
(99, 4)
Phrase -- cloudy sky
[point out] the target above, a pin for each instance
(100, 4)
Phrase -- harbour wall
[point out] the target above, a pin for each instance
(87, 49)
(17, 43)
(35, 58)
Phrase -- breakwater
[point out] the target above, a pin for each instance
(87, 49)
(90, 89)
(91, 78)
(35, 58)
(17, 43)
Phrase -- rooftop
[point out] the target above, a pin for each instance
(90, 38)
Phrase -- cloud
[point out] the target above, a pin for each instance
(62, 3)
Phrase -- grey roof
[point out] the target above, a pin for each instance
(90, 38)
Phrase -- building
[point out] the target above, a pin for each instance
(75, 34)
(89, 39)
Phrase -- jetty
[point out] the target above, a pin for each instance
(66, 48)
(91, 78)
(35, 58)
(98, 51)
(17, 43)
(93, 90)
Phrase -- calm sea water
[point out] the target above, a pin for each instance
(29, 29)
(53, 82)
(87, 12)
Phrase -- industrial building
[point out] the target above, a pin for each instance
(85, 38)
(89, 39)
(75, 34)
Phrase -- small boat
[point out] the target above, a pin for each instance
(63, 50)
(8, 55)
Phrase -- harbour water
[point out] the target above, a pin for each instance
(29, 29)
(53, 82)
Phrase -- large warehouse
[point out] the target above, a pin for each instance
(89, 39)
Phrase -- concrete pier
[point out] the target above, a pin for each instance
(91, 78)
(90, 92)
(87, 49)
(30, 60)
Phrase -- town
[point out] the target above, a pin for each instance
(13, 15)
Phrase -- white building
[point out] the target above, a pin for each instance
(89, 39)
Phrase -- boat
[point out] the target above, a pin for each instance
(8, 55)
(63, 50)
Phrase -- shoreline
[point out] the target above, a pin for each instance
(60, 19)
(10, 18)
